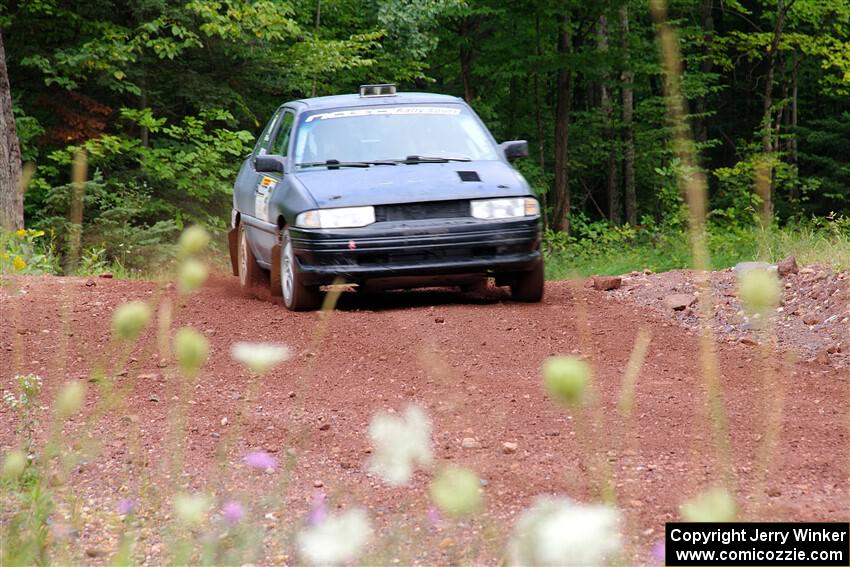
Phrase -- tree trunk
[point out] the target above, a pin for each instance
(466, 60)
(560, 214)
(11, 195)
(701, 130)
(766, 123)
(627, 78)
(795, 67)
(538, 114)
(612, 188)
(317, 25)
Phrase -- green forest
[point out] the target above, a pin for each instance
(166, 96)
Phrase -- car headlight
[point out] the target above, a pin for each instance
(505, 208)
(347, 217)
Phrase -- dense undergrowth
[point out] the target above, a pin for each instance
(595, 248)
(591, 249)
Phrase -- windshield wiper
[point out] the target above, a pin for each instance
(431, 159)
(335, 163)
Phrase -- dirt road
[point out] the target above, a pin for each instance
(473, 365)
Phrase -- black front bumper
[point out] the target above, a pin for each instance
(462, 246)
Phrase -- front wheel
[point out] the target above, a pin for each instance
(528, 286)
(296, 295)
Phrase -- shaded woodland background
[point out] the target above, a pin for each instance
(166, 97)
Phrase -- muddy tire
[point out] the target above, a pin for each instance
(250, 274)
(296, 295)
(527, 287)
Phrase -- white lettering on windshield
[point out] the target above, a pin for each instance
(439, 110)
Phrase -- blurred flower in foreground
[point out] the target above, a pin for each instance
(713, 505)
(318, 509)
(193, 240)
(559, 531)
(260, 460)
(232, 512)
(130, 319)
(126, 506)
(400, 443)
(435, 519)
(566, 379)
(19, 263)
(14, 464)
(339, 539)
(191, 348)
(70, 399)
(658, 553)
(259, 357)
(191, 276)
(456, 491)
(191, 509)
(759, 290)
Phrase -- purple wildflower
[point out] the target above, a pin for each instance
(260, 460)
(232, 512)
(318, 509)
(658, 553)
(126, 506)
(435, 519)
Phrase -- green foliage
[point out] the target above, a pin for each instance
(27, 251)
(165, 97)
(602, 250)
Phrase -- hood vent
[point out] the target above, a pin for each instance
(468, 176)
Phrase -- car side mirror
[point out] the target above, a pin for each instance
(514, 149)
(270, 164)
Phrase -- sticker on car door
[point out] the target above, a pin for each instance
(262, 194)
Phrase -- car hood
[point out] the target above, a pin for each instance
(388, 184)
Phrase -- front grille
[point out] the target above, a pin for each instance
(431, 255)
(419, 211)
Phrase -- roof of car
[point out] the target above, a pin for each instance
(349, 100)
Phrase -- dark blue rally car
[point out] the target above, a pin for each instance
(387, 190)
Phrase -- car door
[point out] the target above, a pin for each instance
(267, 184)
(244, 189)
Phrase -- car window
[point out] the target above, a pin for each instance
(392, 132)
(264, 141)
(281, 139)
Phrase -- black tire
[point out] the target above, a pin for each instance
(296, 295)
(250, 273)
(527, 287)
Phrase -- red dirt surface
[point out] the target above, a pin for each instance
(473, 364)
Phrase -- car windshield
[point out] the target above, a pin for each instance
(388, 134)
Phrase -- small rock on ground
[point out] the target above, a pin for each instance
(606, 283)
(679, 301)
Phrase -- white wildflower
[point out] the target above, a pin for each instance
(10, 400)
(400, 443)
(560, 531)
(260, 357)
(338, 539)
